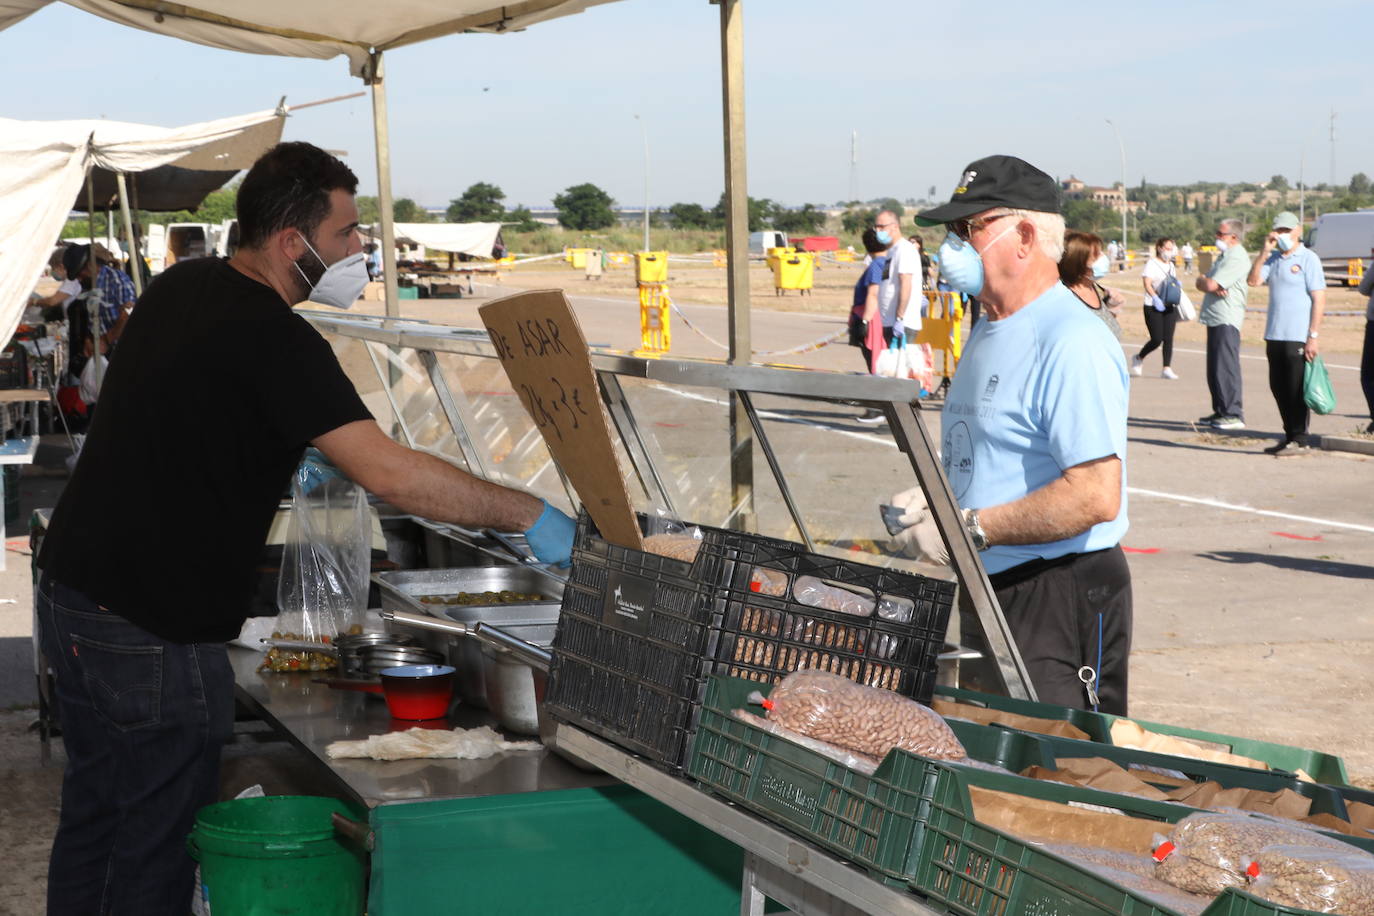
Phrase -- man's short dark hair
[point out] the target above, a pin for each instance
(871, 243)
(289, 188)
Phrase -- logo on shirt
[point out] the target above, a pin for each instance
(966, 181)
(1296, 268)
(991, 388)
(957, 456)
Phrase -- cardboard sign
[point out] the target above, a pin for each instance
(545, 357)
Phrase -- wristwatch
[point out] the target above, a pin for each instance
(1311, 334)
(975, 529)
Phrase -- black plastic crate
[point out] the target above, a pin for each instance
(14, 367)
(639, 633)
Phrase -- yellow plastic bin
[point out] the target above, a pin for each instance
(794, 271)
(651, 267)
(774, 255)
(577, 257)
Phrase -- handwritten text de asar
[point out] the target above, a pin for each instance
(539, 338)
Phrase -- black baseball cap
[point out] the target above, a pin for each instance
(996, 181)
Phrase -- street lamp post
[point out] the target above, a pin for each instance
(1124, 207)
(645, 131)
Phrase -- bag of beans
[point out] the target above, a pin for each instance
(1324, 880)
(865, 720)
(1207, 853)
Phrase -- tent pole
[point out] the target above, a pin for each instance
(135, 269)
(94, 267)
(737, 254)
(374, 78)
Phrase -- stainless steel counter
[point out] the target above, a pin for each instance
(314, 715)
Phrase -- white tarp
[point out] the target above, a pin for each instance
(475, 239)
(312, 28)
(43, 165)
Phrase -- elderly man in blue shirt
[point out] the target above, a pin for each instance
(1034, 437)
(1297, 298)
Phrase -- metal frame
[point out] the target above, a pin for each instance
(897, 397)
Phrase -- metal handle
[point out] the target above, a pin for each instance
(527, 652)
(423, 622)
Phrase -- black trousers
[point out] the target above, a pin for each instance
(1070, 612)
(1286, 366)
(1223, 370)
(1367, 367)
(1161, 328)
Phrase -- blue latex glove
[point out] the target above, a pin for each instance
(898, 329)
(315, 470)
(551, 536)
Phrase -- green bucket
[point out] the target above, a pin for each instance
(276, 855)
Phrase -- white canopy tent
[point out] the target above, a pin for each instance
(43, 165)
(474, 239)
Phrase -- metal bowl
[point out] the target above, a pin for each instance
(378, 658)
(352, 645)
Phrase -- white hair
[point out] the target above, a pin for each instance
(1232, 227)
(1049, 229)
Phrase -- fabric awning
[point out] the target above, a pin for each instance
(43, 165)
(474, 239)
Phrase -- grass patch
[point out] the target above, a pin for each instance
(1209, 438)
(1359, 433)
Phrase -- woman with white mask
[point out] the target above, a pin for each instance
(1162, 294)
(1081, 268)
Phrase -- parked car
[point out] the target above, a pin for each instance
(1339, 238)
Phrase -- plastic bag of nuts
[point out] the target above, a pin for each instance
(813, 592)
(865, 720)
(1324, 880)
(1207, 853)
(861, 762)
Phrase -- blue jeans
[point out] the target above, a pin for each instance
(143, 721)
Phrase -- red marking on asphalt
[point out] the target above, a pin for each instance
(670, 425)
(1295, 537)
(1140, 549)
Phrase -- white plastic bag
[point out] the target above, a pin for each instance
(894, 362)
(322, 591)
(1186, 310)
(91, 379)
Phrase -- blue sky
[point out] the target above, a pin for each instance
(1199, 91)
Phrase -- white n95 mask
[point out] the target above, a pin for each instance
(341, 283)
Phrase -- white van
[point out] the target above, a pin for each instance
(760, 242)
(177, 242)
(1339, 237)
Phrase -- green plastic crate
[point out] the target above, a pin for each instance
(974, 870)
(869, 820)
(1322, 767)
(1016, 751)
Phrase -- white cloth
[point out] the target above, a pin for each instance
(43, 164)
(904, 258)
(463, 744)
(319, 29)
(475, 239)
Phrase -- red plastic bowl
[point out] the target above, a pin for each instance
(418, 692)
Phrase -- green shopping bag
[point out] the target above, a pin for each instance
(1316, 387)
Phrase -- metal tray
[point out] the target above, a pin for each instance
(533, 621)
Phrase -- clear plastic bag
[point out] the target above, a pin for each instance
(865, 720)
(1324, 880)
(813, 592)
(671, 538)
(1207, 853)
(322, 590)
(860, 762)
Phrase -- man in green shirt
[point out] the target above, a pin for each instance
(1223, 310)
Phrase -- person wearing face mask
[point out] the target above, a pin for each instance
(67, 289)
(1081, 268)
(1297, 299)
(1033, 436)
(900, 290)
(1222, 314)
(1160, 317)
(218, 389)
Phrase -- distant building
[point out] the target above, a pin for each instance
(1113, 198)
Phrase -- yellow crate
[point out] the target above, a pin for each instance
(794, 271)
(651, 266)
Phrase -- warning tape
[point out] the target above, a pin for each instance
(1249, 308)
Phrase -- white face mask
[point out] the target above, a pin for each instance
(1167, 255)
(341, 283)
(1221, 244)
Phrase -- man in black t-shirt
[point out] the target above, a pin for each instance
(149, 563)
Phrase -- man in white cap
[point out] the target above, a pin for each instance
(1034, 437)
(1297, 298)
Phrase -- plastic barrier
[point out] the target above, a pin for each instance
(655, 335)
(942, 329)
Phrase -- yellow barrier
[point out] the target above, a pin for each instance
(618, 259)
(844, 254)
(718, 258)
(794, 271)
(655, 337)
(651, 267)
(942, 329)
(1354, 270)
(577, 257)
